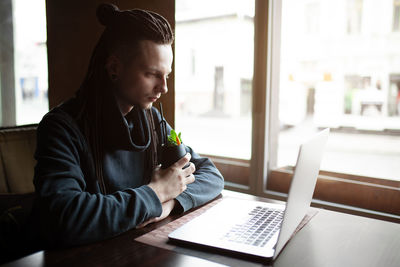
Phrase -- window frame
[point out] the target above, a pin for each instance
(360, 195)
(8, 113)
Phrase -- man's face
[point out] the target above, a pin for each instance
(142, 81)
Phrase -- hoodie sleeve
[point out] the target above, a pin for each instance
(68, 213)
(208, 184)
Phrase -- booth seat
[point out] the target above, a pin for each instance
(17, 148)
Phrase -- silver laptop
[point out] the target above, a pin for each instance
(258, 228)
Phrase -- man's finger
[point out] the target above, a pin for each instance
(189, 170)
(183, 161)
(190, 179)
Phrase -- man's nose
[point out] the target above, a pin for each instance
(163, 87)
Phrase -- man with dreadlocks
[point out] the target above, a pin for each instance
(97, 172)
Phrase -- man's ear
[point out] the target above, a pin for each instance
(113, 67)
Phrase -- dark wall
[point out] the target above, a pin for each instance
(72, 32)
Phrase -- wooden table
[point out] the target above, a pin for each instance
(329, 239)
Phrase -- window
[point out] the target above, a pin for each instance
(23, 66)
(312, 17)
(213, 66)
(394, 95)
(345, 82)
(345, 88)
(193, 62)
(396, 15)
(245, 97)
(354, 15)
(309, 73)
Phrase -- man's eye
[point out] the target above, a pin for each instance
(149, 74)
(157, 75)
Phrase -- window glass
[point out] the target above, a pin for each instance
(214, 71)
(24, 72)
(341, 69)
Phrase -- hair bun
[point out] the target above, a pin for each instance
(106, 13)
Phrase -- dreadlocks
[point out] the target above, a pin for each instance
(124, 29)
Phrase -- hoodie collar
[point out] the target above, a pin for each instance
(131, 132)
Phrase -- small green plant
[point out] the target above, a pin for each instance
(174, 139)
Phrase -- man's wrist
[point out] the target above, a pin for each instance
(158, 194)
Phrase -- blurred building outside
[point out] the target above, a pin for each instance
(340, 68)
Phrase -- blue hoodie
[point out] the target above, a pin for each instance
(70, 208)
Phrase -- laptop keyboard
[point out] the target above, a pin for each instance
(257, 228)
